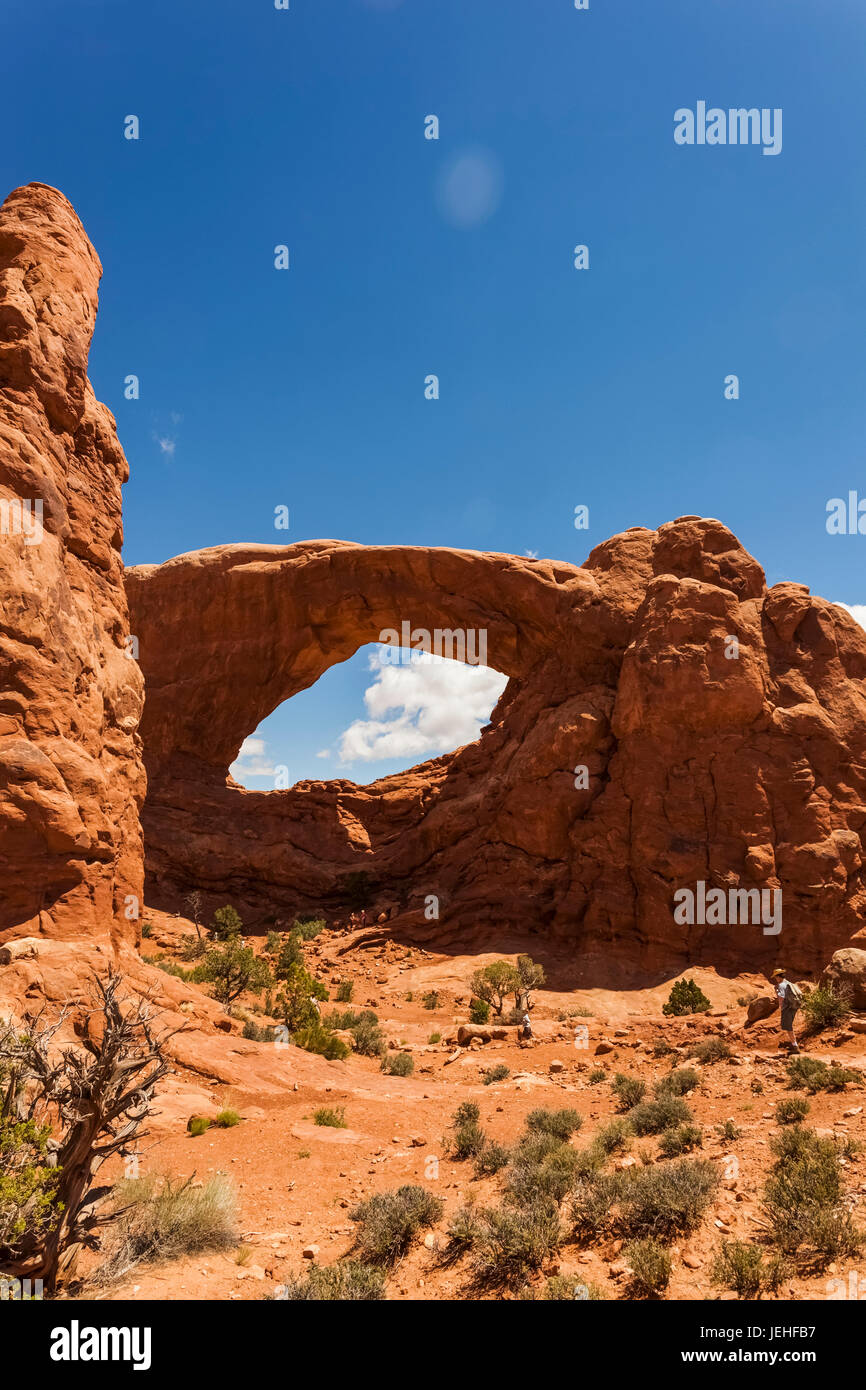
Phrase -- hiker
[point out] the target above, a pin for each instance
(790, 998)
(526, 1027)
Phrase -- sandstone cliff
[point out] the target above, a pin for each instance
(71, 776)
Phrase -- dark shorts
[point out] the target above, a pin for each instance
(789, 1013)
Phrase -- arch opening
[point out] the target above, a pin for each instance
(383, 710)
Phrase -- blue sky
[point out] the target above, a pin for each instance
(558, 387)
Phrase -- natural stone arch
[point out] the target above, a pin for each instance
(744, 773)
(227, 634)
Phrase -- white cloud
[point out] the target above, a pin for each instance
(167, 446)
(857, 611)
(252, 761)
(419, 710)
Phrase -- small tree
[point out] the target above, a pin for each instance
(495, 982)
(195, 902)
(290, 954)
(226, 923)
(531, 976)
(686, 998)
(231, 969)
(295, 1000)
(63, 1112)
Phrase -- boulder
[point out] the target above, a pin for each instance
(24, 948)
(484, 1032)
(760, 1008)
(847, 971)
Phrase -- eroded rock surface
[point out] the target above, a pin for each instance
(71, 776)
(722, 727)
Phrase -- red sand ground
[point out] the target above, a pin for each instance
(297, 1181)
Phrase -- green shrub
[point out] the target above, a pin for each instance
(650, 1264)
(464, 1230)
(308, 928)
(497, 1073)
(662, 1048)
(791, 1110)
(513, 1240)
(655, 1116)
(193, 947)
(389, 1221)
(171, 967)
(198, 1125)
(331, 1118)
(728, 1131)
(614, 1137)
(254, 1033)
(226, 923)
(28, 1182)
(594, 1196)
(319, 1039)
(712, 1050)
(825, 1006)
(468, 1139)
(811, 1074)
(466, 1111)
(491, 1159)
(742, 1267)
(345, 990)
(629, 1090)
(296, 999)
(802, 1199)
(560, 1123)
(287, 953)
(681, 1140)
(431, 999)
(677, 1083)
(434, 1038)
(666, 1200)
(596, 1076)
(542, 1166)
(227, 1119)
(346, 1281)
(479, 1011)
(163, 1220)
(398, 1064)
(686, 998)
(231, 969)
(369, 1040)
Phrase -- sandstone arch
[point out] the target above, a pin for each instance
(742, 773)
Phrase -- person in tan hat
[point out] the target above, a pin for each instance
(790, 998)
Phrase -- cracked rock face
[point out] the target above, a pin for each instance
(721, 726)
(71, 775)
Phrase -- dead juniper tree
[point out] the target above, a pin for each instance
(63, 1112)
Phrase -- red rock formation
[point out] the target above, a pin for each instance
(735, 764)
(71, 778)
